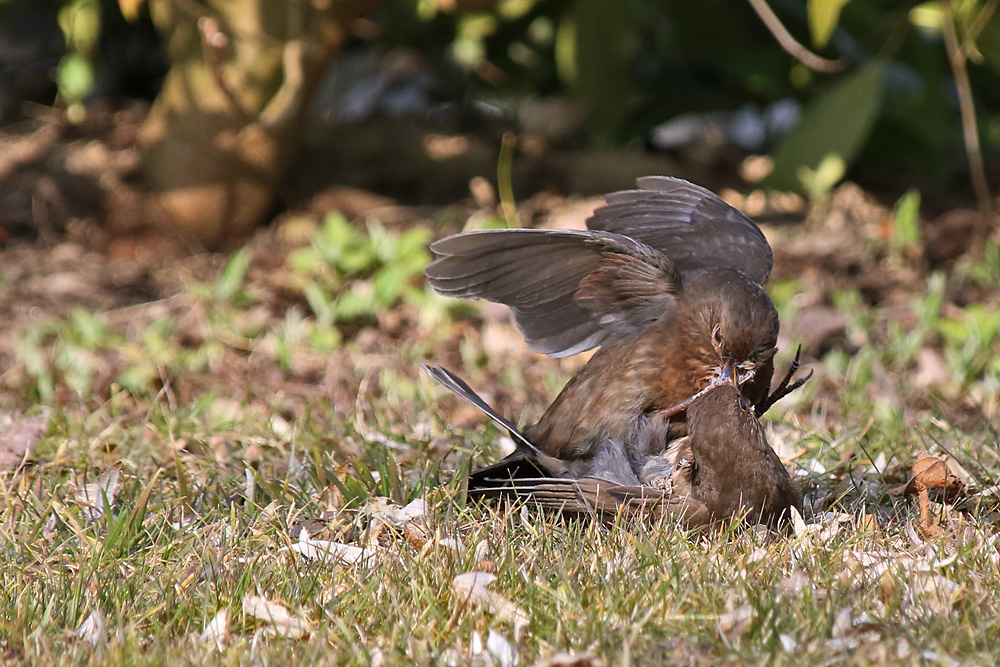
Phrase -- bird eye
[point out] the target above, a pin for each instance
(717, 335)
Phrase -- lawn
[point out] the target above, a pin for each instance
(234, 459)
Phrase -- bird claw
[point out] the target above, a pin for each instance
(784, 388)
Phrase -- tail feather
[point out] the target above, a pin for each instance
(457, 386)
(596, 498)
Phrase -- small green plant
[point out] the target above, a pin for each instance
(969, 341)
(906, 223)
(346, 275)
(228, 286)
(66, 352)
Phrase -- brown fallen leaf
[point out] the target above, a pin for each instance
(471, 588)
(934, 592)
(18, 439)
(334, 552)
(91, 497)
(93, 630)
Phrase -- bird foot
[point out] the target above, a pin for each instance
(786, 386)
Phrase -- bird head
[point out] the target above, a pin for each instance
(736, 326)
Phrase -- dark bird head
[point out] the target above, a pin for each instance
(736, 470)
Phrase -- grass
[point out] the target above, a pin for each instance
(220, 467)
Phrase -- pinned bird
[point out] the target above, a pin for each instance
(722, 468)
(666, 280)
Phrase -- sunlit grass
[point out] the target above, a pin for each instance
(219, 473)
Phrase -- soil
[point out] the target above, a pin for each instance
(69, 240)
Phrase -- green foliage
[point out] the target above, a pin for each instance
(73, 360)
(823, 18)
(970, 341)
(906, 222)
(602, 77)
(347, 275)
(831, 133)
(229, 282)
(80, 22)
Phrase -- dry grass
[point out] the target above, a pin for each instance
(186, 443)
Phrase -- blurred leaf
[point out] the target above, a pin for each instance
(356, 303)
(80, 22)
(927, 15)
(325, 338)
(906, 221)
(75, 77)
(320, 302)
(818, 182)
(130, 9)
(836, 123)
(87, 328)
(231, 279)
(823, 18)
(989, 44)
(333, 237)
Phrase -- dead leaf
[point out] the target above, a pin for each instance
(91, 497)
(281, 622)
(570, 660)
(497, 650)
(333, 551)
(841, 624)
(794, 583)
(415, 535)
(734, 624)
(471, 588)
(382, 509)
(93, 631)
(19, 438)
(931, 368)
(936, 593)
(216, 630)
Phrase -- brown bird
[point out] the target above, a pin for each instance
(666, 279)
(722, 468)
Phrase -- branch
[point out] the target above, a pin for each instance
(966, 105)
(789, 43)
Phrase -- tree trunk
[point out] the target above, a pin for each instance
(223, 129)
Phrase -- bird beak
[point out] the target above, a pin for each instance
(729, 373)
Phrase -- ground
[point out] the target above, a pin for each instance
(171, 423)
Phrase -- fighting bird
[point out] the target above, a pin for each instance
(722, 468)
(666, 280)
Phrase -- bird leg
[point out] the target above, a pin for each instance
(784, 388)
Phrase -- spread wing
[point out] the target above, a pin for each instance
(569, 290)
(690, 225)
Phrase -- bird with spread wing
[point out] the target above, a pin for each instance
(666, 280)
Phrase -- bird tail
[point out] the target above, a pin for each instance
(457, 385)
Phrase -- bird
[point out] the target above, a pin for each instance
(722, 468)
(667, 280)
